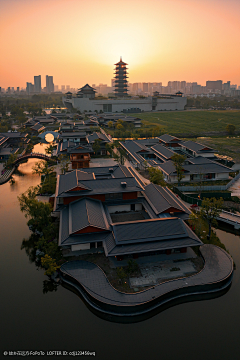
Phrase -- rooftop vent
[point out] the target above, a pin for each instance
(111, 170)
(123, 184)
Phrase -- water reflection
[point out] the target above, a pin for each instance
(29, 245)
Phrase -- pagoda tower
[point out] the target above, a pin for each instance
(121, 86)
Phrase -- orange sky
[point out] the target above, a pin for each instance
(78, 41)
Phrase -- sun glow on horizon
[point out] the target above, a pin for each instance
(79, 42)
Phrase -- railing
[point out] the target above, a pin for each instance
(210, 187)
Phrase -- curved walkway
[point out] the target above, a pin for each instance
(92, 283)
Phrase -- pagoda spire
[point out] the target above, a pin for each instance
(121, 83)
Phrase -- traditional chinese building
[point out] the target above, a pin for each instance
(121, 79)
(111, 209)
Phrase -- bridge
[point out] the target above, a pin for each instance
(32, 156)
(230, 218)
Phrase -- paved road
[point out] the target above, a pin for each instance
(235, 189)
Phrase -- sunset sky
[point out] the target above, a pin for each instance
(78, 41)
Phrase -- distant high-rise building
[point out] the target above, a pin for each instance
(145, 87)
(68, 87)
(49, 84)
(29, 88)
(37, 84)
(135, 88)
(214, 85)
(63, 88)
(55, 87)
(121, 83)
(18, 89)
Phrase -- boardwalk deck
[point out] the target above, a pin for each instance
(92, 283)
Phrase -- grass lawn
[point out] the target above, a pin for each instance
(192, 122)
(229, 146)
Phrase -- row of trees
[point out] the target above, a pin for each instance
(219, 102)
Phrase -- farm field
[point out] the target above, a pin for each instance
(194, 123)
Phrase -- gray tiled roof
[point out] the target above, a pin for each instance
(163, 151)
(133, 147)
(204, 167)
(106, 186)
(75, 134)
(192, 145)
(118, 171)
(14, 135)
(162, 198)
(80, 149)
(38, 127)
(79, 215)
(93, 186)
(97, 135)
(86, 212)
(167, 138)
(63, 146)
(150, 230)
(70, 180)
(153, 246)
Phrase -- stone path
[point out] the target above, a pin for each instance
(153, 273)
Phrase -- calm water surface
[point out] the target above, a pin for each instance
(31, 320)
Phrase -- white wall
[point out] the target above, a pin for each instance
(113, 209)
(222, 176)
(80, 247)
(176, 103)
(205, 155)
(138, 207)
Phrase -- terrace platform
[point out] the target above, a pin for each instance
(92, 284)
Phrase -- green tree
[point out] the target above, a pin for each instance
(38, 212)
(210, 210)
(96, 146)
(178, 161)
(230, 129)
(11, 160)
(132, 266)
(49, 149)
(120, 156)
(121, 274)
(156, 176)
(49, 264)
(120, 127)
(110, 124)
(64, 163)
(109, 148)
(42, 168)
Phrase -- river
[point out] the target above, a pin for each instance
(59, 320)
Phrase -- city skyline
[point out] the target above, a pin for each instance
(187, 40)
